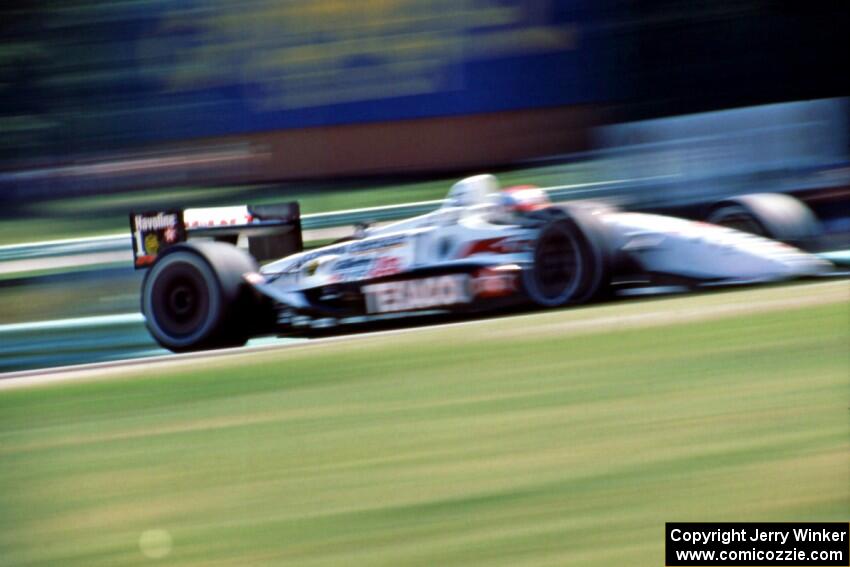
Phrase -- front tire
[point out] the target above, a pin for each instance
(194, 298)
(571, 259)
(771, 215)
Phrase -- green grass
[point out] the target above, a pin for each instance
(518, 441)
(108, 213)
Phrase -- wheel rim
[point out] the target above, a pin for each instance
(557, 266)
(180, 300)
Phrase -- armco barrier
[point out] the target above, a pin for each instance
(73, 341)
(83, 340)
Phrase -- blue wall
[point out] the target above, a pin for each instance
(164, 70)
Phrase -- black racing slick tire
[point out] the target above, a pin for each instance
(194, 297)
(772, 215)
(571, 258)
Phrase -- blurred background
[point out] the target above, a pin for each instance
(212, 91)
(110, 106)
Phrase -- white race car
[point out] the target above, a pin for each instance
(484, 249)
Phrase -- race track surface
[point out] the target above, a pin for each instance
(559, 437)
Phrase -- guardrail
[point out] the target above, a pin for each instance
(73, 341)
(83, 340)
(122, 242)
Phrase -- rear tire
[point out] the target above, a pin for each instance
(571, 258)
(772, 215)
(194, 298)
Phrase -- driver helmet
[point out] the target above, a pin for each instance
(522, 199)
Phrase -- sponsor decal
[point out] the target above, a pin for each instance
(153, 233)
(151, 244)
(501, 245)
(347, 269)
(217, 216)
(495, 282)
(444, 247)
(308, 256)
(159, 221)
(311, 268)
(386, 266)
(410, 295)
(370, 249)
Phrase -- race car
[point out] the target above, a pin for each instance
(484, 249)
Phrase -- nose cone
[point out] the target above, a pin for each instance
(770, 260)
(801, 264)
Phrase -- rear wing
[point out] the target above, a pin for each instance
(267, 231)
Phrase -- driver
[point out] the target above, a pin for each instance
(520, 199)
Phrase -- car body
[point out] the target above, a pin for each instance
(486, 249)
